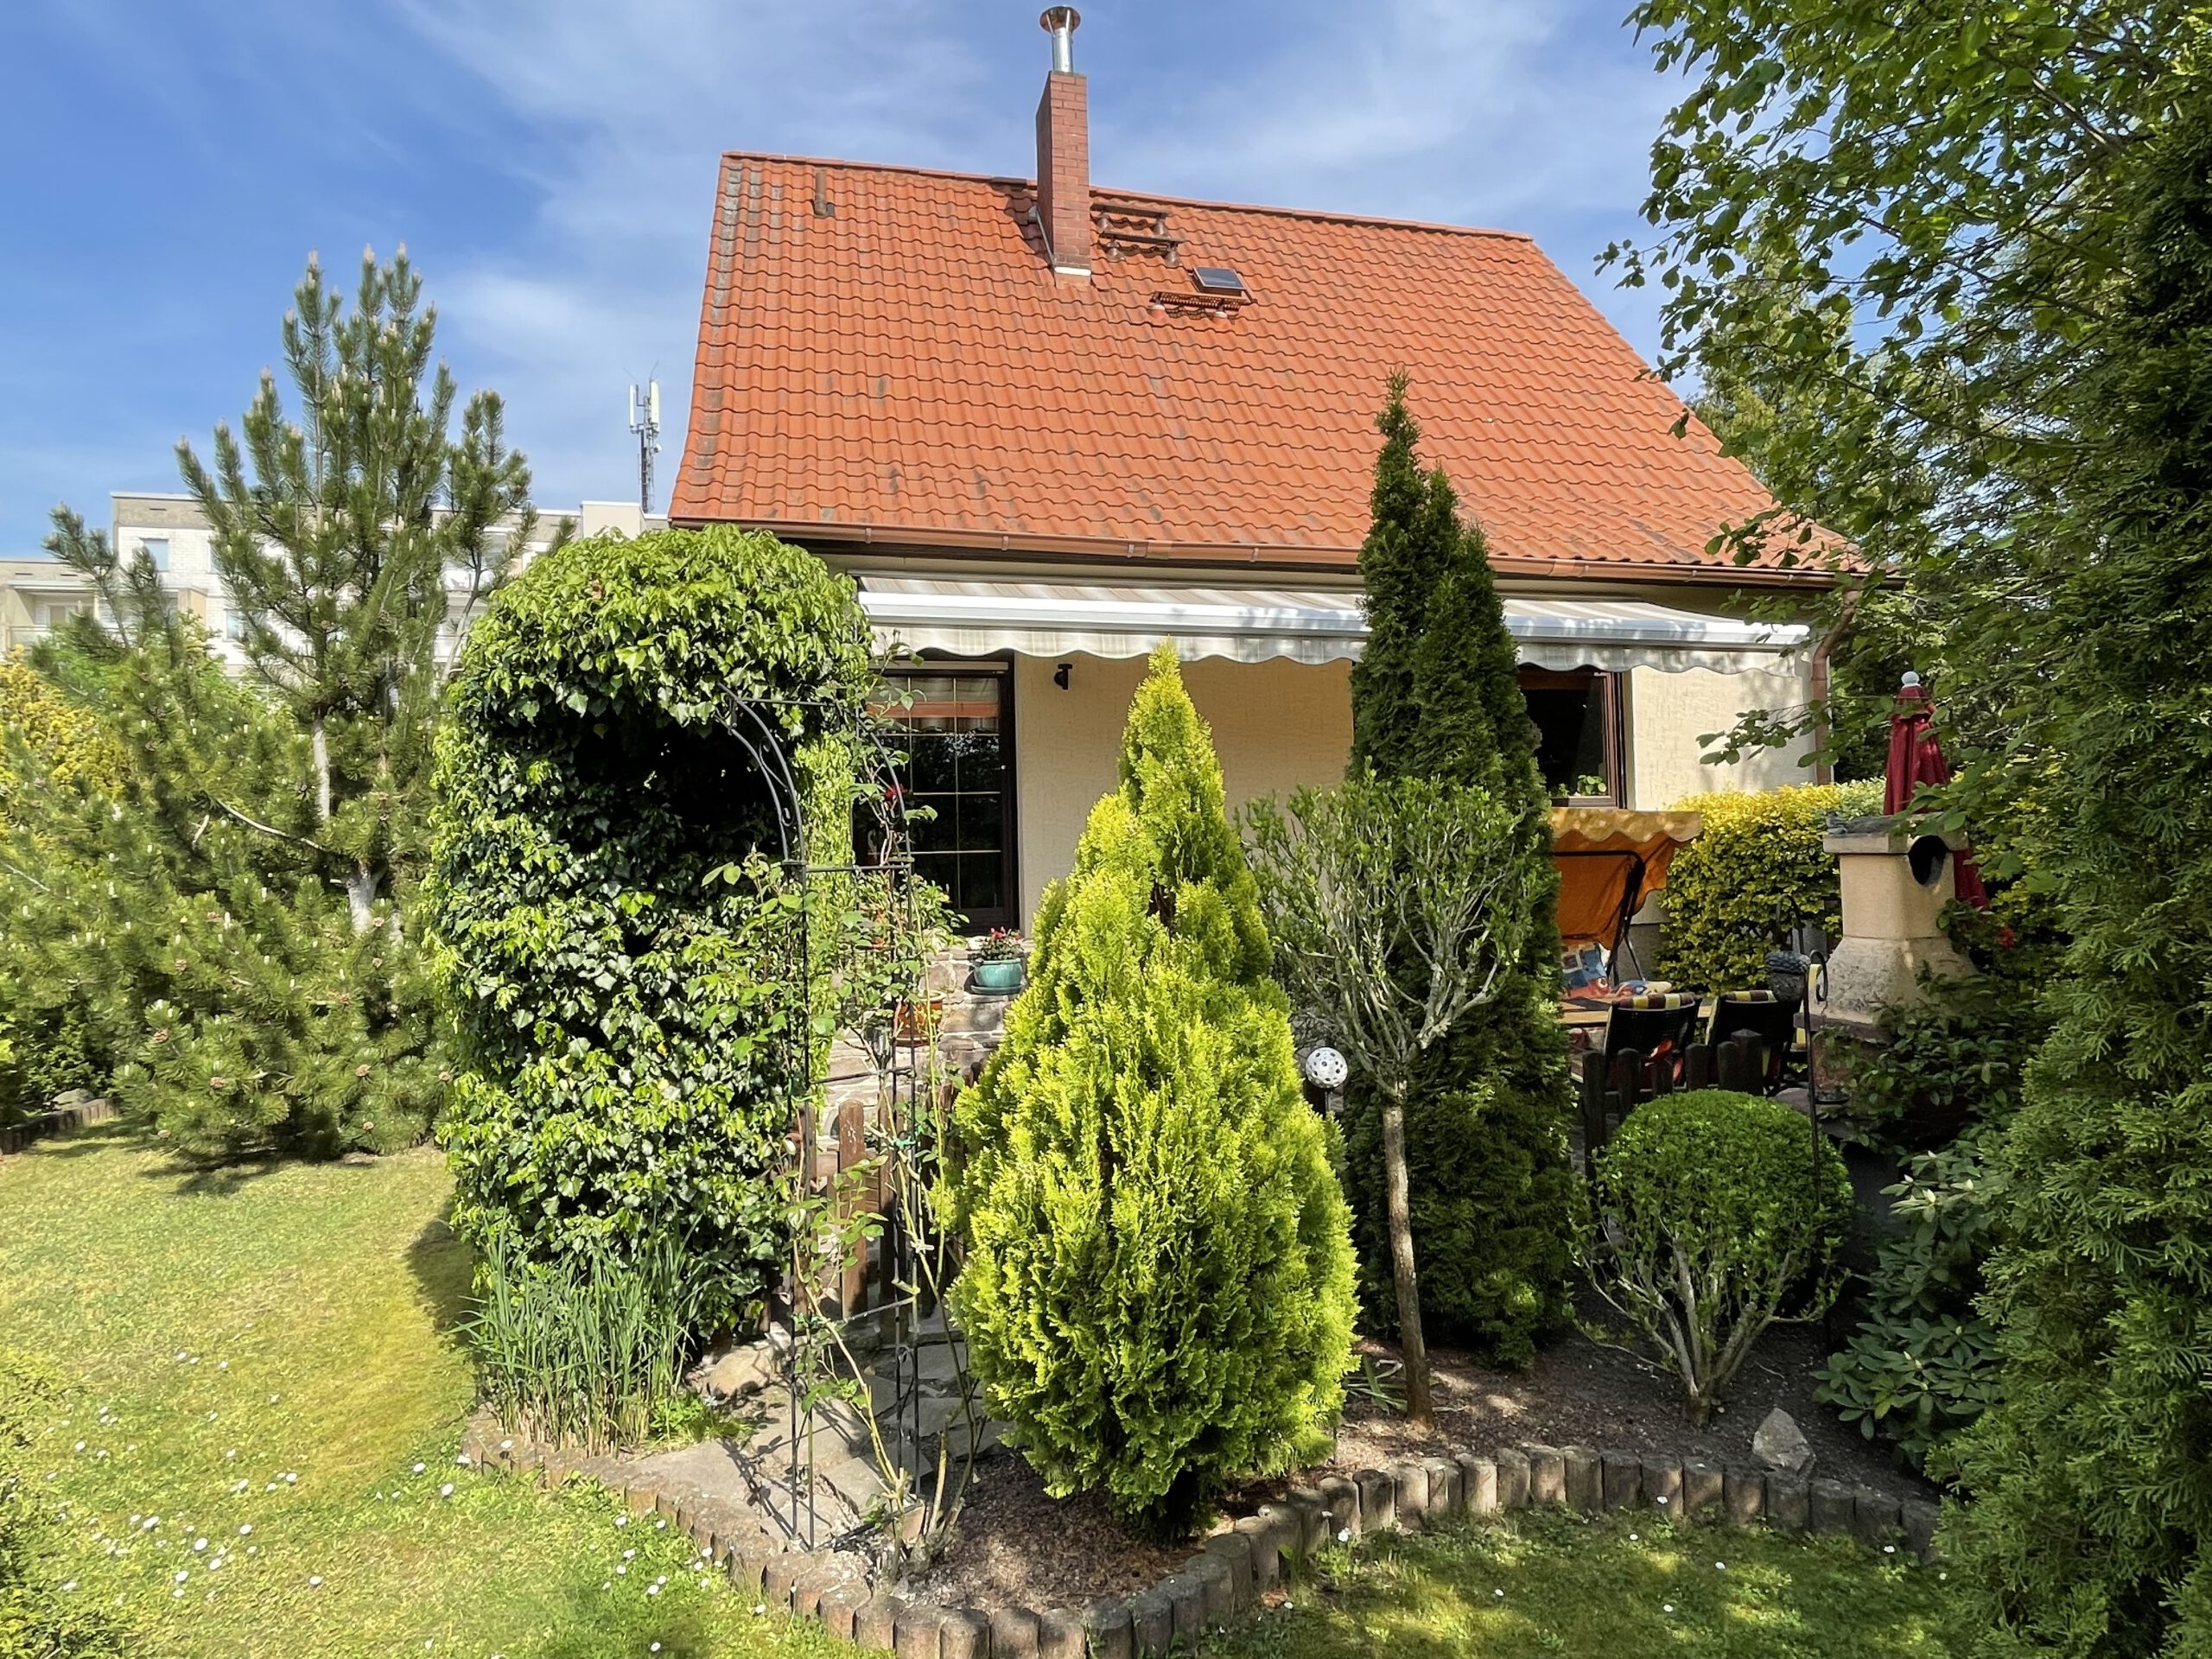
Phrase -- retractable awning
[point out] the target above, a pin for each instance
(1251, 625)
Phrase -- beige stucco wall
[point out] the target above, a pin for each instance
(1668, 713)
(1280, 724)
(1275, 725)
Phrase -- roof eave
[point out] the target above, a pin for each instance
(1250, 554)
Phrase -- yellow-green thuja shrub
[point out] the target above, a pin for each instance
(66, 743)
(1158, 1287)
(1755, 873)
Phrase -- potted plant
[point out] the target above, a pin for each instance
(1002, 961)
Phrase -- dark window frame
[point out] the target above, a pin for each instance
(1608, 684)
(1000, 667)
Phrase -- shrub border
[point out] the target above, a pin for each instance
(1233, 1568)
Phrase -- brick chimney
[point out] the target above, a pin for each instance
(1064, 152)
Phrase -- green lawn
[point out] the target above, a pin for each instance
(1552, 1583)
(272, 1350)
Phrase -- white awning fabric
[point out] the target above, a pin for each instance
(1251, 625)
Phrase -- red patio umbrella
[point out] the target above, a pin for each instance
(1917, 759)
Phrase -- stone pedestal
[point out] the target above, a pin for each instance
(1895, 884)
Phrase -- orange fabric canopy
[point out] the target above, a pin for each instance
(1609, 862)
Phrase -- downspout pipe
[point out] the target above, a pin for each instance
(1824, 770)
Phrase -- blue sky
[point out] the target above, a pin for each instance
(550, 165)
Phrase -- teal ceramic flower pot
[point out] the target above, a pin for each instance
(1002, 976)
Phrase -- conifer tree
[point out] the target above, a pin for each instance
(1434, 696)
(2090, 1484)
(336, 531)
(1158, 1289)
(233, 917)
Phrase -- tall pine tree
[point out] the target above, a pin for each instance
(235, 916)
(1435, 696)
(337, 530)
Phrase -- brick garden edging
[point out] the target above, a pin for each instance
(1234, 1568)
(77, 1115)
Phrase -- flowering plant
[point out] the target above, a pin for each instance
(1003, 944)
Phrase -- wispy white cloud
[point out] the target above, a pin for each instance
(1474, 112)
(552, 163)
(633, 106)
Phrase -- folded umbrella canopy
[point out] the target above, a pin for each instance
(1917, 759)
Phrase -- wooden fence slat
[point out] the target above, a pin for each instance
(854, 1199)
(1742, 1062)
(1697, 1066)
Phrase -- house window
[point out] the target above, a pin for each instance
(1578, 733)
(957, 719)
(158, 549)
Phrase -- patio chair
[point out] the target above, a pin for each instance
(1764, 1015)
(1660, 1028)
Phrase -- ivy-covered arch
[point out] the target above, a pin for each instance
(614, 927)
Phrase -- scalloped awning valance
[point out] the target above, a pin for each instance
(1252, 625)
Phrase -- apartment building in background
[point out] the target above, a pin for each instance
(39, 594)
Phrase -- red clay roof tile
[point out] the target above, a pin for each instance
(909, 369)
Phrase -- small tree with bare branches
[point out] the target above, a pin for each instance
(1397, 907)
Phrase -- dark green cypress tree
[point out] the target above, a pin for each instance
(2091, 1479)
(1407, 545)
(1435, 695)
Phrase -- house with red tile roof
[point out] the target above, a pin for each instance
(1045, 425)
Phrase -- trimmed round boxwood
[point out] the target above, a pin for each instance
(1716, 1211)
(615, 930)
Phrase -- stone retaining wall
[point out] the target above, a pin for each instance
(1233, 1569)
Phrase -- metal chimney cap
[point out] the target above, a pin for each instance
(1061, 23)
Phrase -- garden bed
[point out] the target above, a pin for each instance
(1579, 1392)
(1017, 1545)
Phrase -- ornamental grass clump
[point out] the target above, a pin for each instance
(582, 1350)
(1719, 1214)
(1158, 1290)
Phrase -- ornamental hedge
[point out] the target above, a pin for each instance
(615, 932)
(65, 743)
(1754, 877)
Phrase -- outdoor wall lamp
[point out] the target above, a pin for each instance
(1061, 674)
